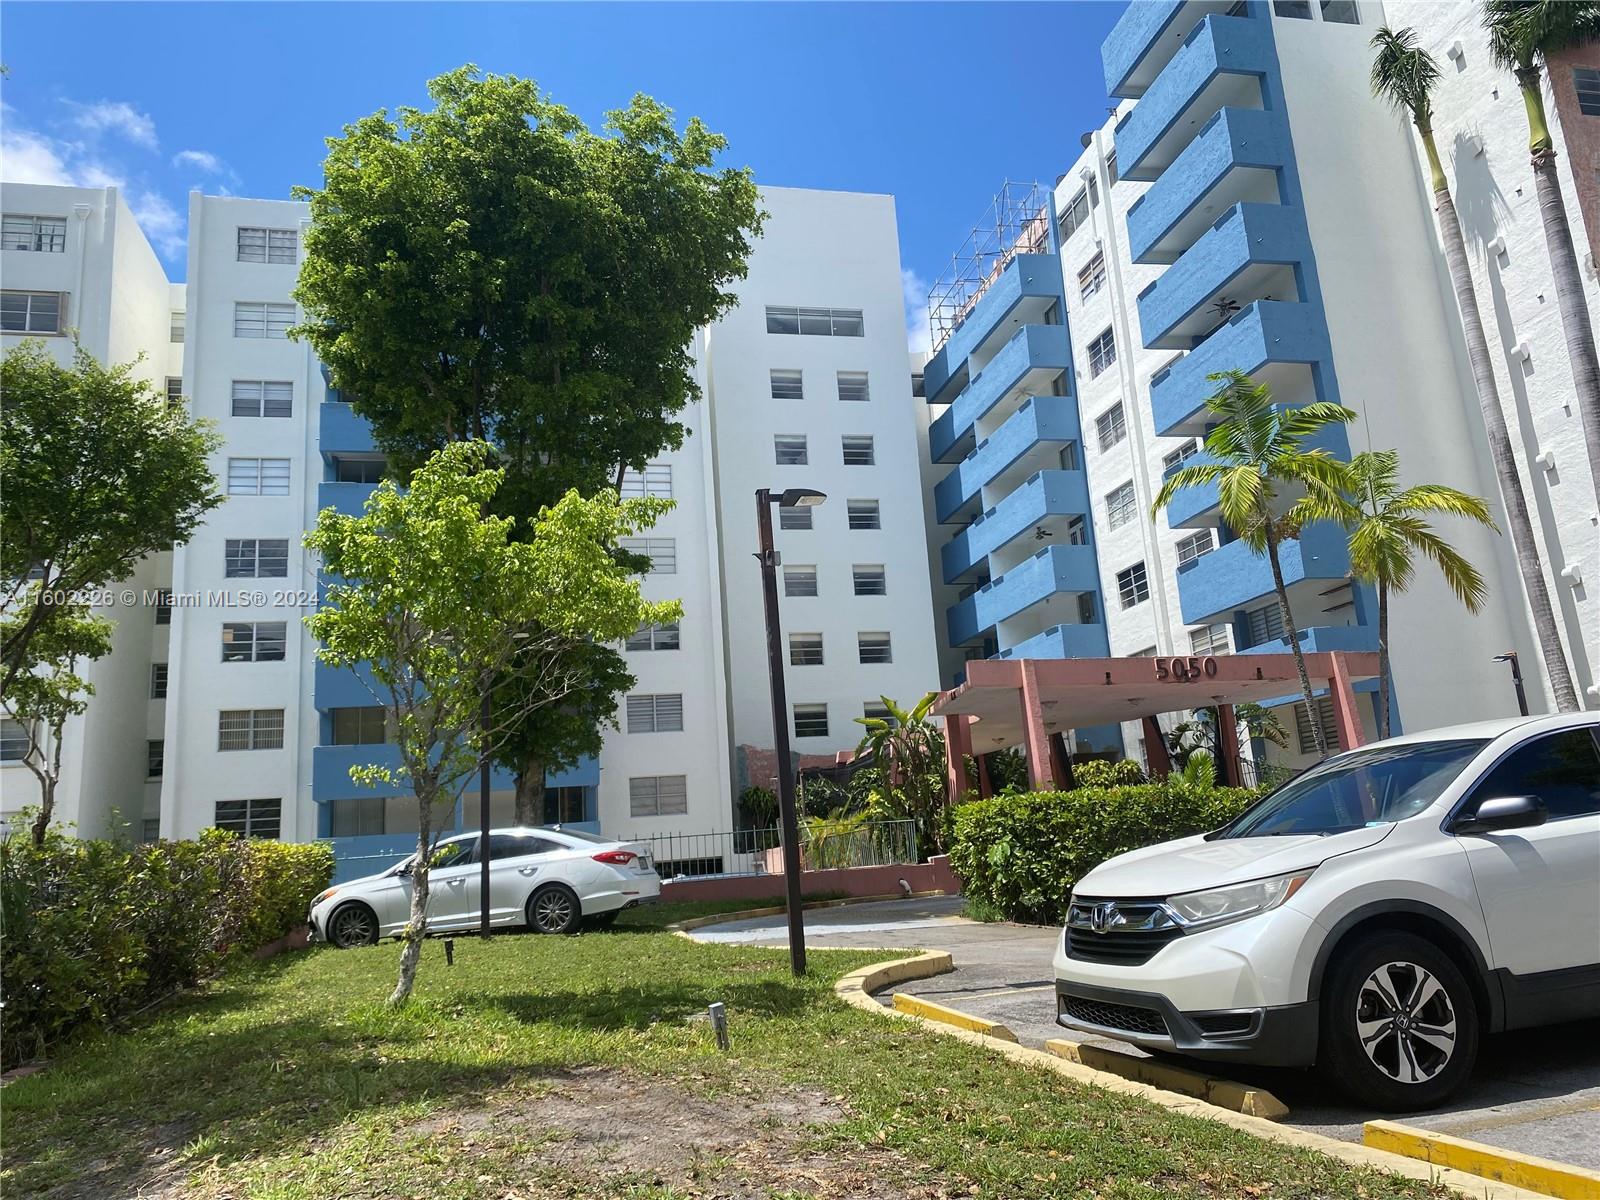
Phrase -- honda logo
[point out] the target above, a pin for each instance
(1103, 916)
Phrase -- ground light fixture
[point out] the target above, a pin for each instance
(789, 822)
(1510, 656)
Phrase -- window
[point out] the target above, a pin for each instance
(1300, 10)
(1133, 586)
(155, 753)
(46, 235)
(919, 385)
(655, 480)
(1208, 639)
(1111, 426)
(564, 804)
(789, 449)
(1341, 12)
(268, 245)
(787, 384)
(359, 817)
(257, 320)
(662, 553)
(654, 637)
(853, 386)
(13, 740)
(158, 681)
(174, 389)
(1102, 353)
(858, 451)
(1196, 545)
(263, 398)
(367, 725)
(164, 606)
(1302, 725)
(1075, 215)
(175, 327)
(1093, 277)
(1111, 166)
(251, 729)
(258, 477)
(1068, 457)
(1180, 456)
(1077, 531)
(1147, 652)
(30, 312)
(252, 818)
(810, 720)
(1265, 624)
(863, 514)
(655, 713)
(800, 581)
(869, 579)
(1586, 82)
(805, 649)
(254, 641)
(873, 648)
(877, 710)
(1561, 769)
(794, 517)
(253, 558)
(828, 322)
(658, 796)
(358, 470)
(150, 829)
(1120, 506)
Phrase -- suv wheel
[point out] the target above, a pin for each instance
(1399, 1023)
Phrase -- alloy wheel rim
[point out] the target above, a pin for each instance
(352, 927)
(554, 910)
(1406, 1022)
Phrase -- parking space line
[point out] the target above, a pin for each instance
(1537, 1112)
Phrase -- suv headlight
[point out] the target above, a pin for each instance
(1218, 906)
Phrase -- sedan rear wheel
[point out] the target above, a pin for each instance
(353, 925)
(554, 909)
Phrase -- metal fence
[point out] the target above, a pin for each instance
(823, 845)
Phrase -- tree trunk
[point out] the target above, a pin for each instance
(1573, 305)
(1383, 660)
(1294, 642)
(417, 925)
(529, 796)
(47, 808)
(1520, 525)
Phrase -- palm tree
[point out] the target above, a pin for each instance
(1257, 451)
(1405, 75)
(1522, 36)
(1388, 528)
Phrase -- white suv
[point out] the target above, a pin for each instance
(1373, 916)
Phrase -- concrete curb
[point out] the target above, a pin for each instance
(951, 1016)
(1549, 1177)
(855, 988)
(749, 914)
(1224, 1093)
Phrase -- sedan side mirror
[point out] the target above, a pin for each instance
(1504, 812)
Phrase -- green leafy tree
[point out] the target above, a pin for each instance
(1389, 528)
(1268, 482)
(491, 268)
(1405, 76)
(1522, 36)
(1198, 734)
(431, 593)
(907, 753)
(99, 473)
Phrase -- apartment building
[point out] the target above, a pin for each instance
(74, 262)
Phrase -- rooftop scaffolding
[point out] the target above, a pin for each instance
(1017, 222)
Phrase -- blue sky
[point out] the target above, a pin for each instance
(935, 103)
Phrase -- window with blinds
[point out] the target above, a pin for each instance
(174, 389)
(262, 320)
(250, 729)
(863, 514)
(1093, 277)
(250, 818)
(796, 516)
(1133, 585)
(155, 757)
(254, 641)
(654, 480)
(263, 398)
(658, 795)
(800, 581)
(858, 450)
(869, 579)
(1196, 545)
(1111, 426)
(810, 720)
(258, 477)
(268, 245)
(30, 312)
(662, 553)
(873, 648)
(1181, 455)
(1265, 624)
(805, 650)
(654, 637)
(853, 386)
(1102, 353)
(1208, 639)
(363, 725)
(13, 740)
(158, 681)
(1075, 215)
(256, 558)
(1120, 506)
(787, 384)
(1304, 734)
(361, 816)
(789, 449)
(827, 322)
(660, 713)
(44, 235)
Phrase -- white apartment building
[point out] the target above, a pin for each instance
(73, 260)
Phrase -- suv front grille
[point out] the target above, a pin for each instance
(1118, 932)
(1126, 1017)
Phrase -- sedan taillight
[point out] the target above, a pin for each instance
(617, 858)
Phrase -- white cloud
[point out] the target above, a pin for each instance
(202, 160)
(914, 289)
(161, 223)
(120, 117)
(28, 158)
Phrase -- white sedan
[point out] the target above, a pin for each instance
(548, 878)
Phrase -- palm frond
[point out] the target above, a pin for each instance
(1436, 498)
(1403, 74)
(1522, 32)
(1463, 578)
(1196, 475)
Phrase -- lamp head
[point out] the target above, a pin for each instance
(801, 498)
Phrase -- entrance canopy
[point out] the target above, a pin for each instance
(1030, 702)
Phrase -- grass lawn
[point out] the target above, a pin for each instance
(583, 1067)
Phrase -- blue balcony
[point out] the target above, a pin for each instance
(330, 773)
(358, 857)
(1146, 37)
(1277, 341)
(1220, 65)
(1322, 638)
(348, 498)
(340, 687)
(1196, 507)
(1045, 502)
(1054, 571)
(1018, 296)
(1023, 366)
(1233, 577)
(1063, 641)
(1042, 421)
(1250, 253)
(340, 431)
(1234, 159)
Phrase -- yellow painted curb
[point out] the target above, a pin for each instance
(749, 914)
(1222, 1092)
(855, 989)
(1543, 1175)
(951, 1016)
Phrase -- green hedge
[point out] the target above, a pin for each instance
(95, 930)
(1019, 854)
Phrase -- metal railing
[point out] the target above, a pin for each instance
(824, 845)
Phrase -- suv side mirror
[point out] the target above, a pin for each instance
(1503, 812)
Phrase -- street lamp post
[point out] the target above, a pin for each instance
(483, 819)
(788, 819)
(1510, 656)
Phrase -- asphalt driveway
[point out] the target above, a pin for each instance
(1537, 1092)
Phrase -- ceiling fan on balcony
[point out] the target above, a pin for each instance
(1224, 307)
(1040, 533)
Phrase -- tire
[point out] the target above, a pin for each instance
(352, 925)
(1399, 1024)
(554, 908)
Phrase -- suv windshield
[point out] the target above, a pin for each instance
(1361, 788)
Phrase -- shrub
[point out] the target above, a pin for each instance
(95, 931)
(1100, 772)
(1021, 853)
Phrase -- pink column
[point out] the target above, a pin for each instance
(1344, 704)
(1227, 747)
(1036, 741)
(957, 744)
(1155, 749)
